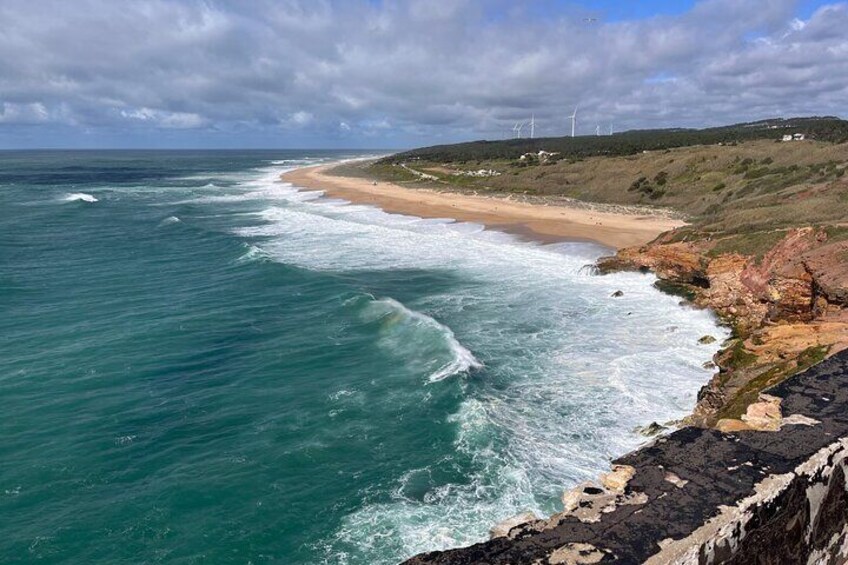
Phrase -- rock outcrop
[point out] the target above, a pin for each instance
(703, 496)
(828, 266)
(788, 308)
(759, 477)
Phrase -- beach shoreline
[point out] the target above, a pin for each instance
(542, 223)
(776, 333)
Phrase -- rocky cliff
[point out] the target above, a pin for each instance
(757, 478)
(704, 496)
(787, 308)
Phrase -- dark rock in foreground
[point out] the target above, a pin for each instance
(703, 496)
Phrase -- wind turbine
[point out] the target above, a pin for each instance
(598, 130)
(533, 126)
(610, 128)
(517, 129)
(573, 118)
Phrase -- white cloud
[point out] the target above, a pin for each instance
(165, 119)
(419, 69)
(31, 113)
(301, 118)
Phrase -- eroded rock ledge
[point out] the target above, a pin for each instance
(787, 307)
(700, 495)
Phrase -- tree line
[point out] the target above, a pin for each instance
(828, 129)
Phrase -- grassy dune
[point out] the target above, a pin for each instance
(755, 188)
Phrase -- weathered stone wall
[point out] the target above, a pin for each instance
(702, 496)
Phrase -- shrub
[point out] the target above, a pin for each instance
(757, 173)
(637, 184)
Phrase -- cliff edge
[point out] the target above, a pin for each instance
(700, 495)
(787, 308)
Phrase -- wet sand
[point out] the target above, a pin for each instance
(545, 223)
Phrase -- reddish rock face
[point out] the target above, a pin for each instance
(783, 286)
(781, 280)
(828, 265)
(679, 262)
(790, 301)
(728, 295)
(781, 261)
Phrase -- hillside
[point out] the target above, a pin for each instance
(829, 129)
(766, 247)
(753, 187)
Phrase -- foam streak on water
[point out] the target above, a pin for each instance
(79, 197)
(206, 363)
(570, 371)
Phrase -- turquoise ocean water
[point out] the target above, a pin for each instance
(201, 364)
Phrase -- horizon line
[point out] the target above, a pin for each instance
(2, 149)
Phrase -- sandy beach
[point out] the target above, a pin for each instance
(545, 223)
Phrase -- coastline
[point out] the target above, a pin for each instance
(545, 224)
(786, 307)
(787, 312)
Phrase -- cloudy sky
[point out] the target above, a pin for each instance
(388, 74)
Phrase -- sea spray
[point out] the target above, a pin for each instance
(419, 339)
(170, 220)
(283, 376)
(79, 197)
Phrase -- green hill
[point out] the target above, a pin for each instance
(828, 129)
(739, 182)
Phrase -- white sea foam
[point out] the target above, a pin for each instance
(266, 188)
(291, 163)
(253, 253)
(569, 371)
(79, 197)
(339, 394)
(420, 339)
(170, 220)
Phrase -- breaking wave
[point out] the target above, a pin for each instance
(79, 197)
(422, 342)
(253, 253)
(569, 371)
(170, 220)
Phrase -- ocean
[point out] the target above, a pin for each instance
(202, 364)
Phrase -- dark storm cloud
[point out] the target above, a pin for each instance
(408, 70)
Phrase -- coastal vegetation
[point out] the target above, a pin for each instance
(828, 129)
(745, 192)
(766, 245)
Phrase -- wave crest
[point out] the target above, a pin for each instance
(170, 220)
(253, 253)
(423, 341)
(79, 197)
